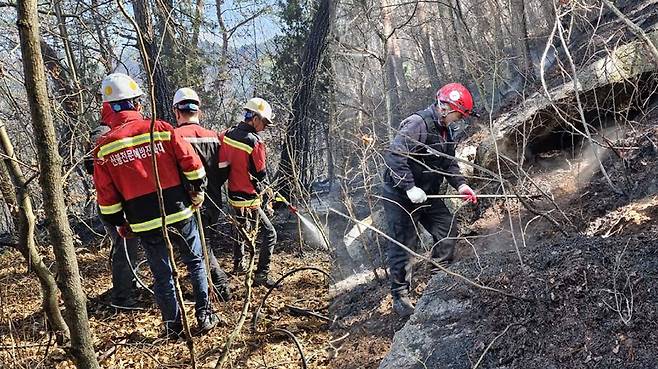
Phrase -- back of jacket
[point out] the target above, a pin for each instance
(125, 180)
(206, 144)
(243, 151)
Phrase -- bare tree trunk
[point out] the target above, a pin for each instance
(548, 13)
(394, 116)
(13, 187)
(424, 41)
(196, 22)
(393, 45)
(451, 42)
(51, 179)
(521, 35)
(331, 124)
(222, 68)
(64, 91)
(296, 150)
(107, 54)
(163, 93)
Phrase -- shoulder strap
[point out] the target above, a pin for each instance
(429, 121)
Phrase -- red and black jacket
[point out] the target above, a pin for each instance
(206, 144)
(243, 151)
(124, 178)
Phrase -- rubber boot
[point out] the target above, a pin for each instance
(402, 305)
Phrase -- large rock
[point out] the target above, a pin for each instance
(585, 303)
(435, 337)
(608, 82)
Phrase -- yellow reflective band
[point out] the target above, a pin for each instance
(244, 203)
(110, 209)
(157, 222)
(238, 145)
(195, 174)
(132, 142)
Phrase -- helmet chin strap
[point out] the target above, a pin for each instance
(443, 109)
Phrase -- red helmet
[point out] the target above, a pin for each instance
(457, 97)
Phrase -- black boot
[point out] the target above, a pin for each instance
(172, 331)
(239, 266)
(262, 279)
(402, 305)
(220, 283)
(206, 322)
(223, 291)
(126, 304)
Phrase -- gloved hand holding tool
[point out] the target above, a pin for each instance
(468, 193)
(416, 195)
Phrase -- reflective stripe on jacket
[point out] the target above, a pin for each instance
(243, 151)
(124, 178)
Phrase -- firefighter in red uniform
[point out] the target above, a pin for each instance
(127, 197)
(205, 142)
(242, 151)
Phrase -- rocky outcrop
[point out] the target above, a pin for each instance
(617, 81)
(582, 303)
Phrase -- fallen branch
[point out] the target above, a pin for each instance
(300, 311)
(254, 321)
(491, 344)
(106, 355)
(637, 31)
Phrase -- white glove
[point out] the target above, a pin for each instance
(416, 195)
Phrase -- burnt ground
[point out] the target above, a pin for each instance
(573, 319)
(593, 303)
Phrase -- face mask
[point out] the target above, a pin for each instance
(458, 128)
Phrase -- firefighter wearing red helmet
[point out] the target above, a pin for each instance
(419, 158)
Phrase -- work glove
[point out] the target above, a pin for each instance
(125, 231)
(468, 193)
(197, 199)
(416, 195)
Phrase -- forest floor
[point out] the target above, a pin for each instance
(606, 253)
(596, 279)
(129, 339)
(599, 280)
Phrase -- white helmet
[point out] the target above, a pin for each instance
(260, 107)
(185, 93)
(119, 86)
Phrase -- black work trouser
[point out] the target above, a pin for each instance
(266, 237)
(211, 209)
(402, 218)
(217, 274)
(125, 255)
